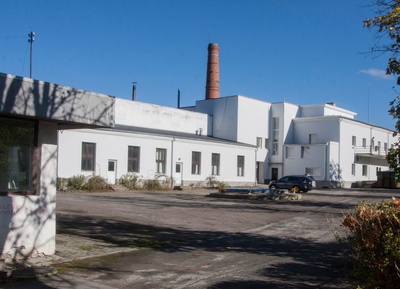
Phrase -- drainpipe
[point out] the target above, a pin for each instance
(255, 167)
(172, 162)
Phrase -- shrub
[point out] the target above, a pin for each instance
(95, 183)
(160, 182)
(211, 181)
(374, 238)
(131, 181)
(62, 184)
(76, 182)
(152, 185)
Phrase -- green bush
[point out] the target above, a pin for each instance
(76, 182)
(95, 183)
(374, 238)
(131, 181)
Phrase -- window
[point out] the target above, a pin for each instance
(196, 163)
(353, 169)
(364, 143)
(275, 131)
(289, 152)
(305, 152)
(385, 147)
(133, 159)
(88, 156)
(215, 164)
(266, 143)
(161, 161)
(364, 170)
(17, 155)
(310, 171)
(240, 166)
(259, 142)
(353, 141)
(313, 138)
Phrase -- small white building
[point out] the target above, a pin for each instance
(31, 113)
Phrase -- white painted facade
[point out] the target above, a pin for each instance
(276, 139)
(180, 133)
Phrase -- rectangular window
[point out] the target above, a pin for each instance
(310, 171)
(289, 152)
(353, 169)
(88, 156)
(353, 141)
(275, 138)
(196, 163)
(364, 143)
(215, 158)
(18, 156)
(259, 142)
(385, 147)
(364, 170)
(266, 143)
(133, 159)
(305, 152)
(161, 161)
(313, 138)
(240, 166)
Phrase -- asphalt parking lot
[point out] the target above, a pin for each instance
(187, 239)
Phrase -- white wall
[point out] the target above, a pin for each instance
(324, 109)
(114, 145)
(139, 114)
(326, 128)
(224, 112)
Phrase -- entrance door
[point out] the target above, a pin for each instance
(112, 172)
(274, 174)
(178, 174)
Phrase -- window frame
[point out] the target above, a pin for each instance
(85, 158)
(215, 164)
(133, 158)
(196, 163)
(240, 165)
(161, 160)
(34, 165)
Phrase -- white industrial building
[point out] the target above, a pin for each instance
(236, 140)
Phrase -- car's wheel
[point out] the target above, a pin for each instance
(272, 187)
(296, 189)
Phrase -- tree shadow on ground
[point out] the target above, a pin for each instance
(306, 263)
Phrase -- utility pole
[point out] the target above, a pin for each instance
(30, 40)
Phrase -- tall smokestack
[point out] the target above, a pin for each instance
(212, 84)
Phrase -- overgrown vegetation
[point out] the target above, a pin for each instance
(374, 239)
(130, 181)
(212, 182)
(80, 182)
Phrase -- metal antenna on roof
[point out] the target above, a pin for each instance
(30, 40)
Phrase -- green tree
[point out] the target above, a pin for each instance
(387, 23)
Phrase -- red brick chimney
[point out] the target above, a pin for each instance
(212, 84)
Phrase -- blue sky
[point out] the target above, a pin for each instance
(299, 51)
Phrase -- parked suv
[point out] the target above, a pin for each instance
(297, 183)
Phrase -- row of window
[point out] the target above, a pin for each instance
(89, 159)
(364, 170)
(364, 143)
